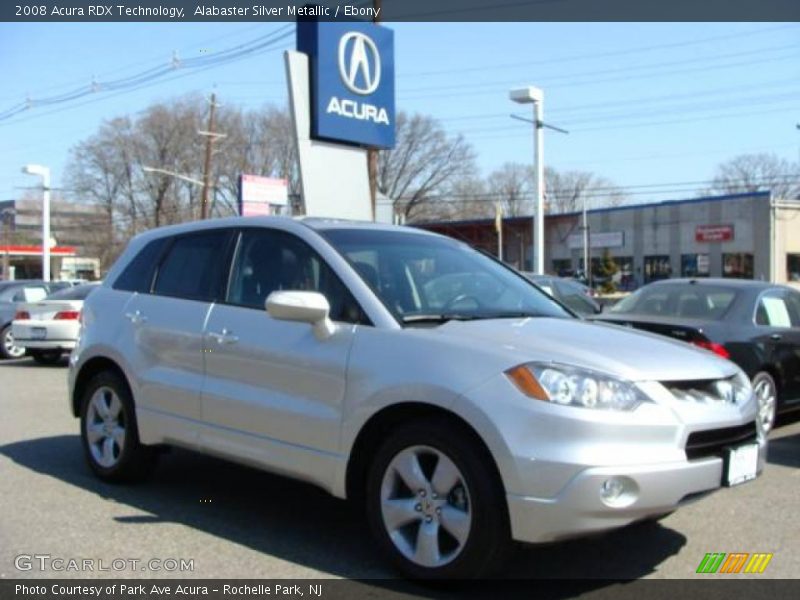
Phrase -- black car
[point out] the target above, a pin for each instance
(753, 323)
(572, 294)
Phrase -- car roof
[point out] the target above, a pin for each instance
(314, 223)
(718, 282)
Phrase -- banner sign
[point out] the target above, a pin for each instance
(611, 239)
(352, 81)
(259, 195)
(713, 233)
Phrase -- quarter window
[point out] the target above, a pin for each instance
(193, 267)
(138, 275)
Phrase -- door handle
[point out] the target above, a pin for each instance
(225, 337)
(776, 336)
(136, 317)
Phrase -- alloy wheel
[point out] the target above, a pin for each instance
(12, 350)
(766, 397)
(105, 427)
(425, 505)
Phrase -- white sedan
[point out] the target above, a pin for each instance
(49, 328)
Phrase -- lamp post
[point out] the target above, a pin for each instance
(44, 173)
(535, 96)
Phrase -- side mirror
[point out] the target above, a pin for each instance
(305, 307)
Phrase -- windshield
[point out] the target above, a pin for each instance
(431, 278)
(678, 300)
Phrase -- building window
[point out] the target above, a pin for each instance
(694, 265)
(657, 267)
(793, 267)
(737, 265)
(563, 267)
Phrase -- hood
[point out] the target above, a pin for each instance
(620, 351)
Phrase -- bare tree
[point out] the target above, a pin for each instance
(512, 186)
(565, 191)
(423, 164)
(757, 173)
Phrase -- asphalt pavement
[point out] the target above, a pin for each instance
(235, 522)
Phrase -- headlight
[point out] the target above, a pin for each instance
(573, 386)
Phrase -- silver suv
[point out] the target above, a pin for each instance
(463, 406)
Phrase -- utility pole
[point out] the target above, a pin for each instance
(211, 137)
(372, 153)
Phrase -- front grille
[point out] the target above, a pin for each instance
(713, 442)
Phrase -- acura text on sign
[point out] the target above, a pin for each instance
(352, 81)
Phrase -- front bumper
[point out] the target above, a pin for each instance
(650, 491)
(554, 460)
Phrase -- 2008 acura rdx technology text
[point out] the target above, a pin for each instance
(463, 406)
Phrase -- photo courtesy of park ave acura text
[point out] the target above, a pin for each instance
(396, 299)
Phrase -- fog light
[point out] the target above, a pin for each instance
(611, 490)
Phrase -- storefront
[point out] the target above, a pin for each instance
(748, 236)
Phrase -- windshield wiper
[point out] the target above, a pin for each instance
(444, 317)
(438, 318)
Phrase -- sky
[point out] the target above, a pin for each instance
(654, 107)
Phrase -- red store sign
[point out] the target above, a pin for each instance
(713, 233)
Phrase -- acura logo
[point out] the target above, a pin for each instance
(359, 63)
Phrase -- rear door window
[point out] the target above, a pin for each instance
(772, 311)
(194, 266)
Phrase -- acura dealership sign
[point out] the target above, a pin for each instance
(352, 81)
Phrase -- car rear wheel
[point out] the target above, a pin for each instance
(109, 433)
(46, 357)
(766, 393)
(8, 348)
(435, 504)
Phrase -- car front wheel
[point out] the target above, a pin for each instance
(109, 432)
(766, 393)
(435, 504)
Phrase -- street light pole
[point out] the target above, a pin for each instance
(587, 269)
(535, 96)
(44, 173)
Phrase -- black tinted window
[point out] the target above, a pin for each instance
(273, 260)
(679, 300)
(193, 266)
(138, 275)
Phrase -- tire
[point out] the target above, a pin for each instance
(7, 347)
(109, 433)
(766, 393)
(465, 524)
(46, 357)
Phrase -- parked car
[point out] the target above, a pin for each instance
(49, 328)
(571, 293)
(454, 399)
(753, 323)
(12, 292)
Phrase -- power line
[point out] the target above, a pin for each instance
(627, 70)
(585, 56)
(155, 74)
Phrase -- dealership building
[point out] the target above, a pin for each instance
(751, 236)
